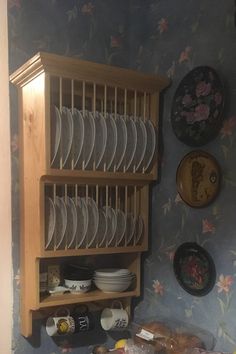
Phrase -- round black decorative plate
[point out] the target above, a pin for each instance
(197, 107)
(194, 269)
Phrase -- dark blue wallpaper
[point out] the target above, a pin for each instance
(156, 36)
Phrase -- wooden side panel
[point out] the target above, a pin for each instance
(32, 137)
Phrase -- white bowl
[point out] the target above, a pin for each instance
(78, 286)
(114, 287)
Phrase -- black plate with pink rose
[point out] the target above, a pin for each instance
(197, 108)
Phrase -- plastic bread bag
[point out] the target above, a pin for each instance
(170, 336)
(142, 348)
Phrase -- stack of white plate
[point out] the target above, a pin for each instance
(111, 280)
(95, 141)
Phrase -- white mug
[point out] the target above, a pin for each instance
(60, 325)
(114, 318)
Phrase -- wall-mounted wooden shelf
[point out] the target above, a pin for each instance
(46, 84)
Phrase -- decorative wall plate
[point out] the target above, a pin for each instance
(197, 107)
(198, 178)
(194, 269)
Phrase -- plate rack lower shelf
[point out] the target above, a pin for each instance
(95, 295)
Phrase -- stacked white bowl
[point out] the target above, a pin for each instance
(111, 280)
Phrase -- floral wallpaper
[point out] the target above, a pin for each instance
(155, 36)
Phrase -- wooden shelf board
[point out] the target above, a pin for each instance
(93, 251)
(91, 177)
(92, 296)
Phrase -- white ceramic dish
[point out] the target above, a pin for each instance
(71, 223)
(61, 222)
(151, 145)
(50, 221)
(121, 141)
(55, 136)
(121, 226)
(89, 139)
(93, 218)
(112, 272)
(102, 228)
(100, 139)
(111, 142)
(58, 290)
(139, 229)
(111, 224)
(130, 228)
(78, 138)
(110, 288)
(141, 145)
(82, 221)
(67, 127)
(132, 142)
(78, 286)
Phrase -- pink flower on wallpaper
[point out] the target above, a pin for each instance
(14, 143)
(178, 199)
(163, 25)
(187, 100)
(224, 283)
(203, 89)
(170, 255)
(228, 127)
(171, 70)
(115, 42)
(158, 287)
(185, 55)
(218, 98)
(207, 227)
(14, 3)
(201, 112)
(87, 8)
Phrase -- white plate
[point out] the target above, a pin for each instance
(67, 127)
(130, 227)
(132, 142)
(112, 272)
(82, 220)
(55, 136)
(100, 138)
(121, 141)
(111, 224)
(71, 223)
(102, 228)
(111, 141)
(151, 144)
(141, 145)
(89, 138)
(93, 217)
(50, 221)
(139, 229)
(61, 221)
(121, 226)
(78, 137)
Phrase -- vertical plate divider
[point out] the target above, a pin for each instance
(60, 108)
(72, 112)
(94, 117)
(83, 112)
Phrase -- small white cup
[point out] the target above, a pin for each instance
(114, 318)
(60, 325)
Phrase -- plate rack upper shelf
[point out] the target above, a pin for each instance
(59, 94)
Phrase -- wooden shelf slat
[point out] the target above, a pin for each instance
(95, 295)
